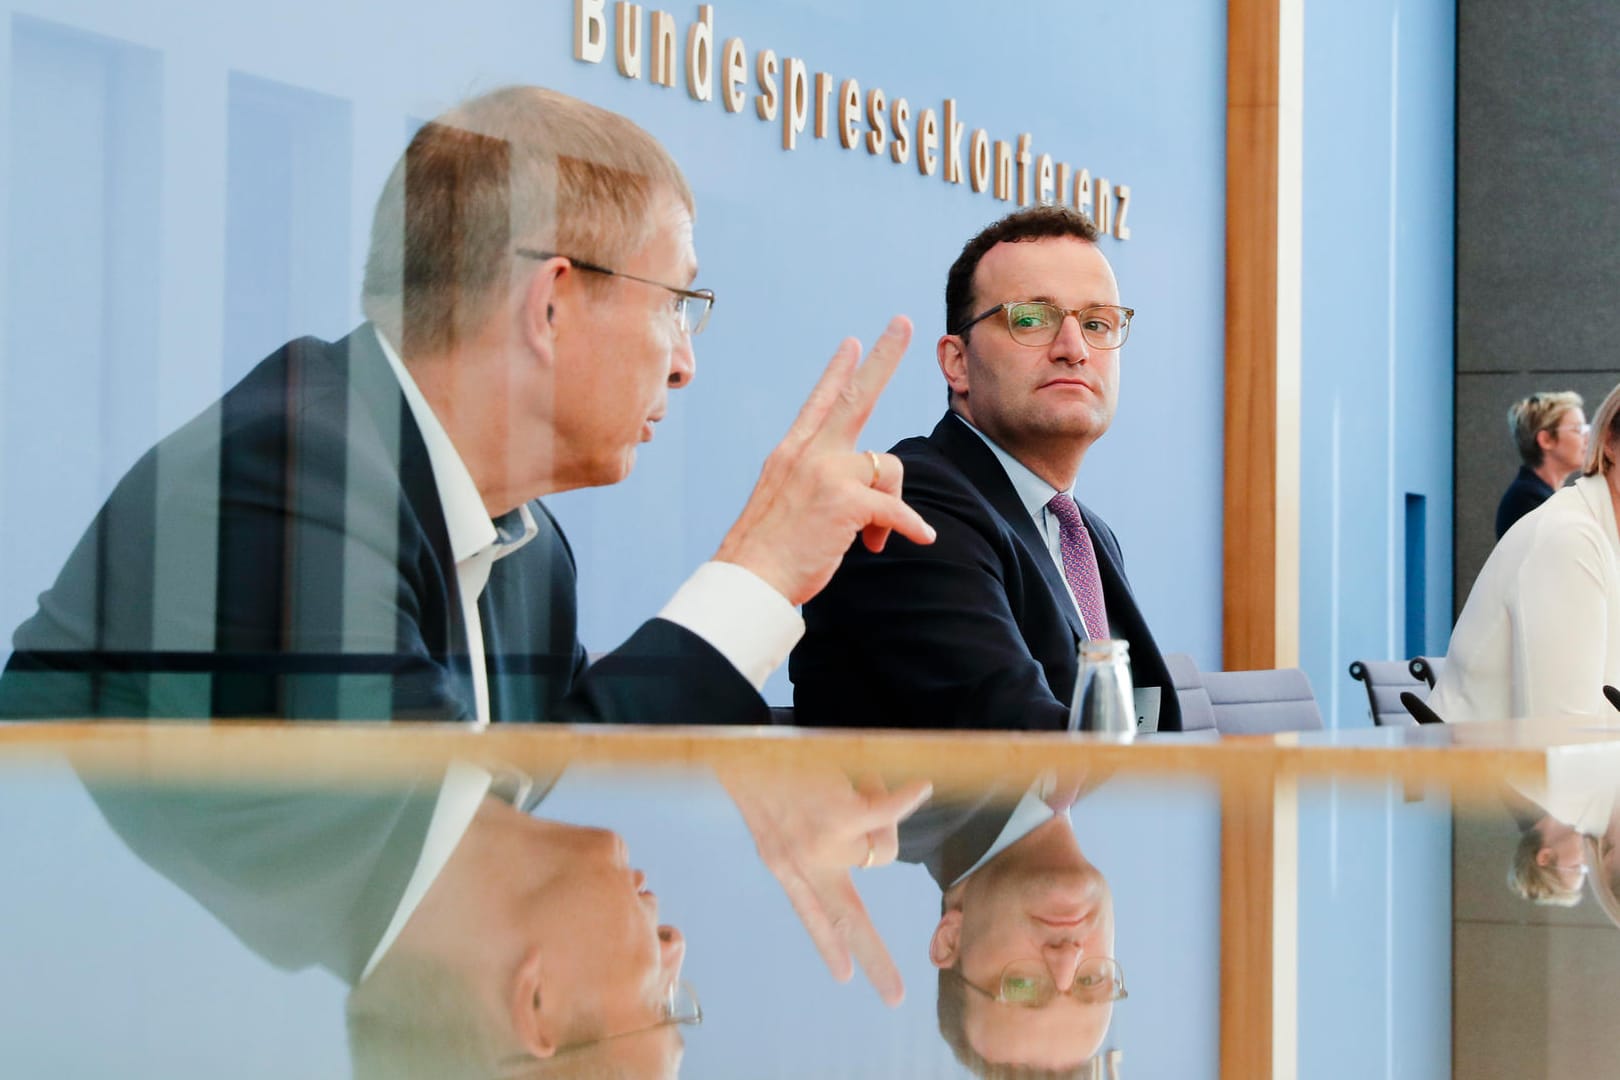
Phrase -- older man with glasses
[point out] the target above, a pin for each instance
(355, 529)
(981, 629)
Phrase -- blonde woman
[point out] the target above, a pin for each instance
(1540, 634)
(1550, 431)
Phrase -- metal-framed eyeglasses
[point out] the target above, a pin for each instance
(1038, 322)
(1028, 985)
(1580, 870)
(691, 306)
(680, 1009)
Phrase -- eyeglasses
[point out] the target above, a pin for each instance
(1036, 322)
(681, 1008)
(1584, 429)
(1028, 985)
(692, 306)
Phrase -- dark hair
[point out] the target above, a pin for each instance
(951, 1008)
(1035, 223)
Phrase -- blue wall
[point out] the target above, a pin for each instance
(1377, 313)
(147, 273)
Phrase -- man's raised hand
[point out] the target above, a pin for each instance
(817, 491)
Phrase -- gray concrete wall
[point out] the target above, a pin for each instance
(1532, 986)
(1538, 232)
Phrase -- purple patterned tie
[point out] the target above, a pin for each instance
(1080, 565)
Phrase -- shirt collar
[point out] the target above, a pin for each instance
(1032, 491)
(1595, 490)
(471, 531)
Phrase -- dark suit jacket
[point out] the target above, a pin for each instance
(1527, 492)
(308, 878)
(976, 630)
(285, 554)
(948, 835)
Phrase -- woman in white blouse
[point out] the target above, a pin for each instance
(1540, 634)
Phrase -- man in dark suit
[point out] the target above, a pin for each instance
(981, 629)
(1025, 939)
(354, 529)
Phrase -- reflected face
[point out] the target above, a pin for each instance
(1568, 449)
(1047, 906)
(621, 349)
(1030, 397)
(1566, 853)
(607, 966)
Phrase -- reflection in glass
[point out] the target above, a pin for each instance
(1025, 938)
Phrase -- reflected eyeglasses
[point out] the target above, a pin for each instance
(691, 306)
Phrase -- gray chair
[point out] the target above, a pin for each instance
(1262, 702)
(1427, 668)
(1197, 713)
(1386, 681)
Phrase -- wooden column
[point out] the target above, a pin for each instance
(1260, 927)
(1264, 88)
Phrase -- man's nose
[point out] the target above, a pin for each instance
(1063, 963)
(1070, 345)
(683, 363)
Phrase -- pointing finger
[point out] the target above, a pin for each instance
(829, 390)
(885, 811)
(889, 512)
(849, 415)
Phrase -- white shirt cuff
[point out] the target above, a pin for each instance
(733, 609)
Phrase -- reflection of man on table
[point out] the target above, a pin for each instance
(354, 529)
(1025, 941)
(980, 630)
(479, 939)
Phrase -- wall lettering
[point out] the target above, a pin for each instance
(1008, 170)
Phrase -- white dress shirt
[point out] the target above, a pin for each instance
(1034, 493)
(747, 621)
(1031, 813)
(1540, 633)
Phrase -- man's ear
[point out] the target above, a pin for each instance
(946, 943)
(952, 354)
(528, 1003)
(544, 301)
(1544, 857)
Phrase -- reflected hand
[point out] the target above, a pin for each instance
(810, 827)
(815, 491)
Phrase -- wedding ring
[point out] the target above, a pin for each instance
(871, 848)
(877, 468)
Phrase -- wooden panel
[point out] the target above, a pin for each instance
(1259, 929)
(1263, 205)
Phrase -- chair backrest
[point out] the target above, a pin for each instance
(1262, 702)
(1385, 681)
(1427, 668)
(1197, 713)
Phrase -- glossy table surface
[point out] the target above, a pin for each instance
(205, 900)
